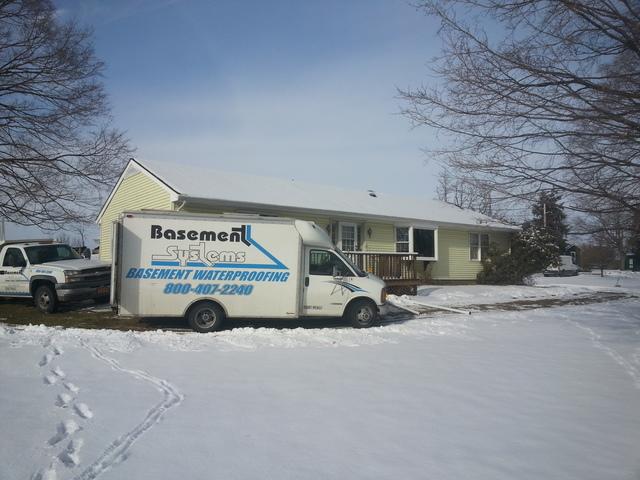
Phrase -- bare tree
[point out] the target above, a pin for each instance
(64, 237)
(598, 256)
(539, 95)
(80, 230)
(611, 230)
(58, 152)
(463, 193)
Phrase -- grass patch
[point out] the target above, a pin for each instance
(82, 315)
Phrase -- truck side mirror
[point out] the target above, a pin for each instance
(336, 272)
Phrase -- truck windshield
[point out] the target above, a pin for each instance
(348, 261)
(50, 253)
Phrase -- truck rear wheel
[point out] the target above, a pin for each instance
(362, 313)
(45, 299)
(205, 317)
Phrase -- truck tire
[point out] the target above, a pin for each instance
(45, 299)
(205, 317)
(361, 313)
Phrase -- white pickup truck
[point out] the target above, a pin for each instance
(566, 268)
(50, 273)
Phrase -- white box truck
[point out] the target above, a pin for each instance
(210, 267)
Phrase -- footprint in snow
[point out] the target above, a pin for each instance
(50, 379)
(83, 410)
(58, 372)
(64, 399)
(71, 387)
(57, 351)
(48, 473)
(65, 429)
(70, 456)
(45, 360)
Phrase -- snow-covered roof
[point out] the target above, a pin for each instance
(207, 185)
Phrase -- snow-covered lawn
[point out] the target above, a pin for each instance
(542, 288)
(541, 394)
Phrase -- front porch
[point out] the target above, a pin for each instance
(398, 270)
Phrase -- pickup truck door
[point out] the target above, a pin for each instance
(326, 289)
(13, 281)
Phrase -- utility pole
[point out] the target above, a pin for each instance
(544, 214)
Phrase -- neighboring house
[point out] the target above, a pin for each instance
(399, 238)
(575, 252)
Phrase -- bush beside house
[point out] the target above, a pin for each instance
(532, 250)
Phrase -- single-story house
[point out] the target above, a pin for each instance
(399, 238)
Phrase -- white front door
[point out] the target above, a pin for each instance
(13, 282)
(325, 294)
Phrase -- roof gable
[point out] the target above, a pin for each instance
(133, 167)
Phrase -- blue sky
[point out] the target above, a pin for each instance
(296, 89)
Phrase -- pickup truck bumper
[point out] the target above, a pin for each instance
(68, 293)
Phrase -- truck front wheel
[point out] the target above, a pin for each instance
(45, 299)
(205, 317)
(361, 313)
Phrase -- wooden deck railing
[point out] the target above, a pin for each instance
(388, 266)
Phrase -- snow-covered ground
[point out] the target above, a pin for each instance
(541, 288)
(549, 393)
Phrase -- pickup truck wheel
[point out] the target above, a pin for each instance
(205, 317)
(46, 299)
(362, 314)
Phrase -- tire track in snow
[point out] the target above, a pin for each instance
(117, 451)
(632, 371)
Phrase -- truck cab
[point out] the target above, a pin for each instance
(333, 285)
(50, 273)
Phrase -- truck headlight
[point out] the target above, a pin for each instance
(72, 276)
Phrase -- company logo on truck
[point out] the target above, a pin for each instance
(237, 234)
(198, 255)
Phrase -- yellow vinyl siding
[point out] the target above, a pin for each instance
(383, 237)
(134, 193)
(453, 254)
(322, 222)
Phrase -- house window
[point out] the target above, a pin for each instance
(478, 246)
(402, 239)
(349, 237)
(421, 241)
(424, 243)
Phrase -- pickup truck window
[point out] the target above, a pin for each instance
(14, 258)
(50, 253)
